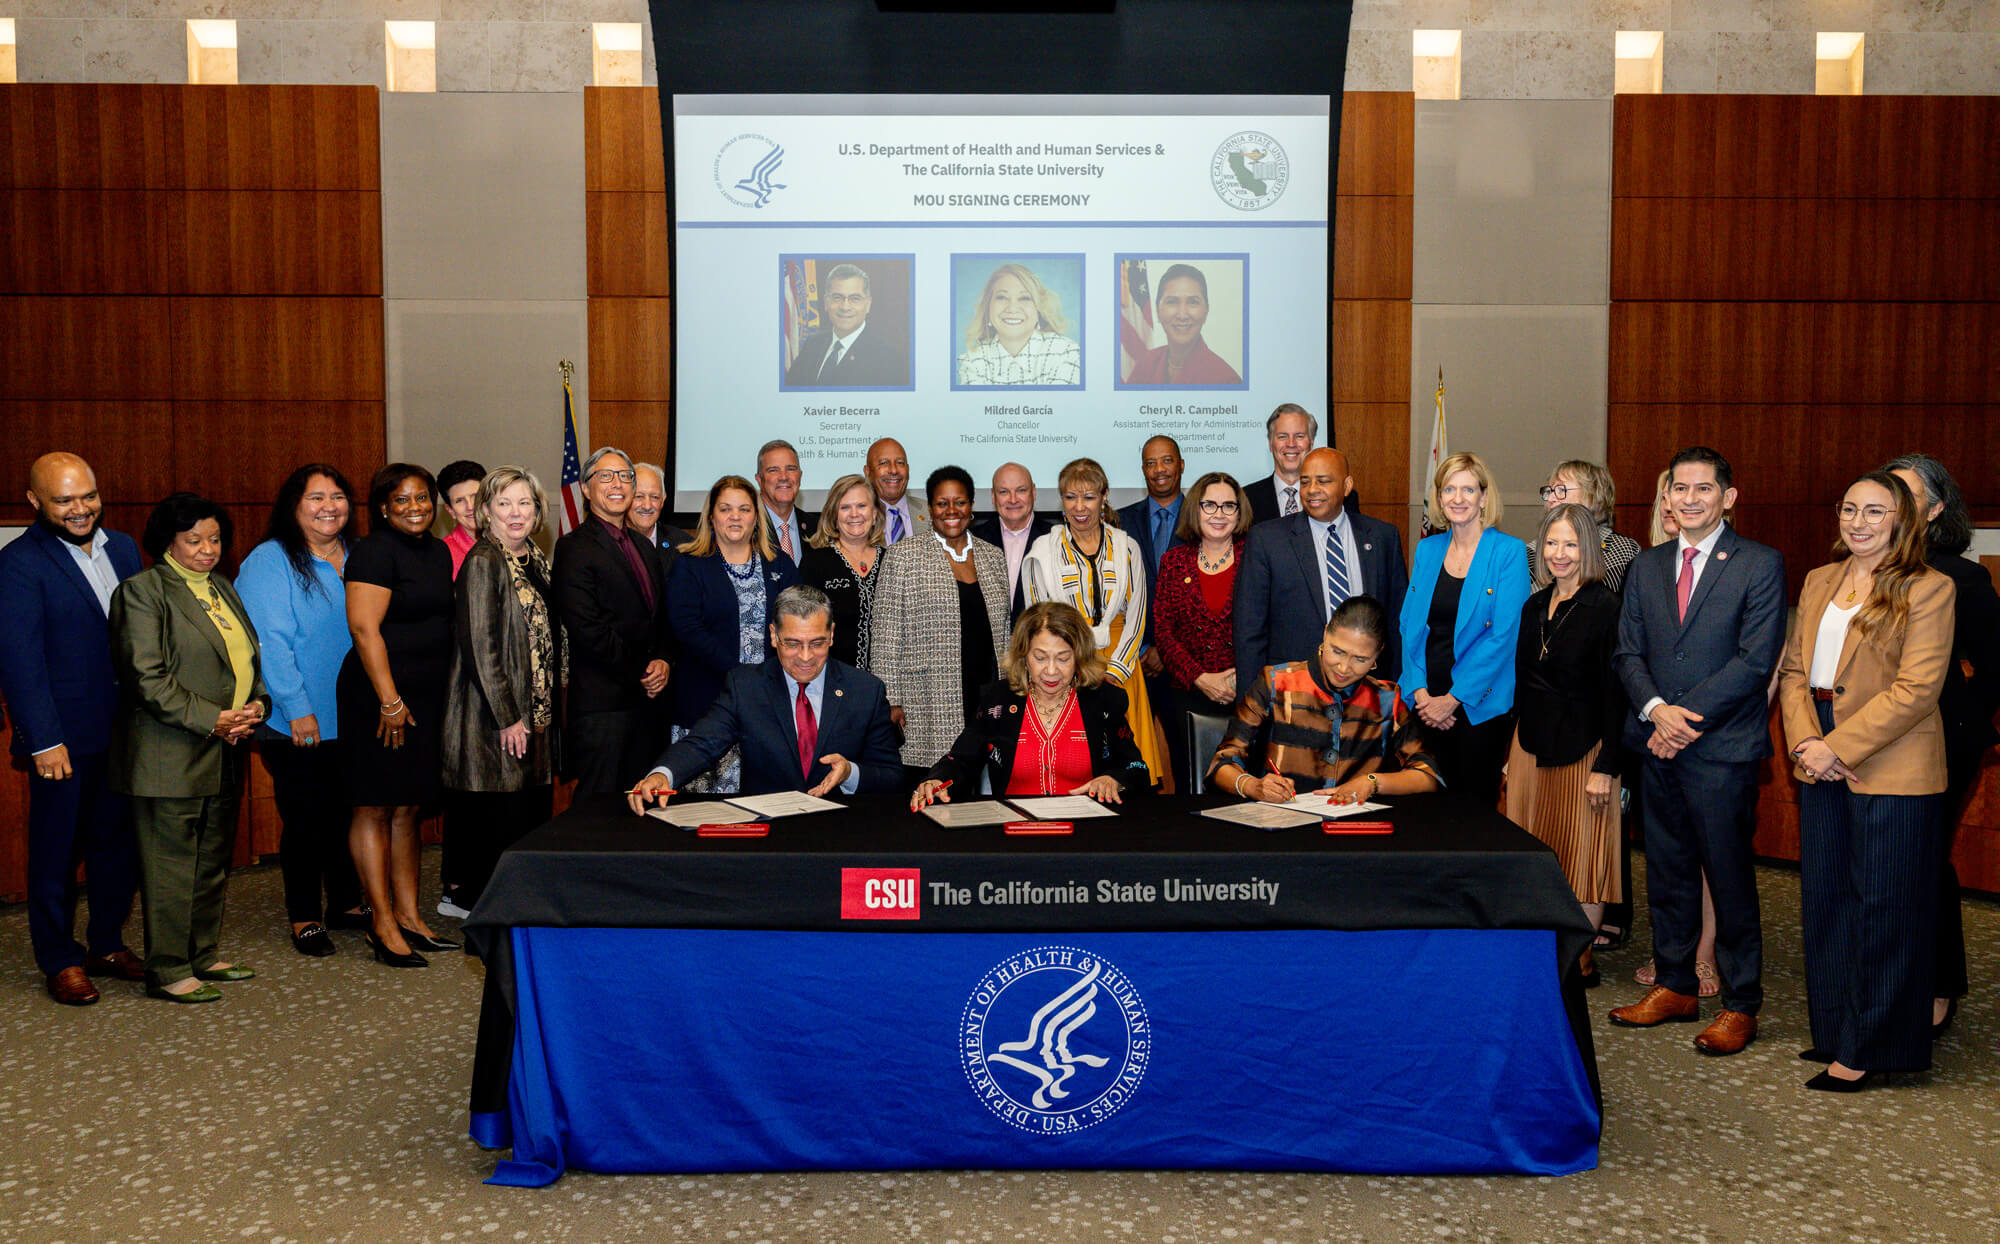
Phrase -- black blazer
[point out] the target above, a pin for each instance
(701, 609)
(1718, 661)
(808, 524)
(755, 711)
(993, 735)
(875, 360)
(1570, 700)
(1968, 705)
(612, 635)
(1263, 496)
(1280, 609)
(987, 527)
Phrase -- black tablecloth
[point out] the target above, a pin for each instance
(1450, 864)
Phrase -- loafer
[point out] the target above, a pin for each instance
(72, 987)
(234, 972)
(122, 964)
(201, 993)
(313, 941)
(1727, 1033)
(1659, 1005)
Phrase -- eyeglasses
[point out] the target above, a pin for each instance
(607, 475)
(1557, 492)
(1873, 515)
(1219, 507)
(794, 647)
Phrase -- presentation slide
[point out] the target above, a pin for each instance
(994, 278)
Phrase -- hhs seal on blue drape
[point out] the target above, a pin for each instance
(1055, 1039)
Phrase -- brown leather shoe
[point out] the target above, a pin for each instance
(72, 988)
(122, 964)
(1660, 1005)
(1728, 1033)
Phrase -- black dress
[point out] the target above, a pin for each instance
(852, 597)
(1439, 653)
(416, 630)
(975, 658)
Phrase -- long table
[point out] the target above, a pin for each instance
(864, 990)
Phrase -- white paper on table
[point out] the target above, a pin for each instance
(692, 815)
(1323, 806)
(1061, 807)
(977, 812)
(1262, 815)
(784, 803)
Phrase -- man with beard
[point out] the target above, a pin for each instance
(56, 582)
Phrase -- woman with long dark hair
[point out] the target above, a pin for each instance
(1858, 689)
(292, 585)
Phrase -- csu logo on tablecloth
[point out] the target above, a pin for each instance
(880, 893)
(1055, 1039)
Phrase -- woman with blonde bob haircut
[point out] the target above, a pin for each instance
(1053, 725)
(840, 560)
(1858, 691)
(1459, 622)
(1016, 335)
(507, 673)
(1089, 563)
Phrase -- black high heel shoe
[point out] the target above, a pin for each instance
(1950, 1013)
(385, 955)
(1827, 1082)
(418, 941)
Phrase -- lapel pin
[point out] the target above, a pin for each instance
(837, 693)
(1722, 557)
(1368, 548)
(1013, 708)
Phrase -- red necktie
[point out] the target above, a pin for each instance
(1685, 587)
(808, 733)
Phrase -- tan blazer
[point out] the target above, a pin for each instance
(177, 680)
(1886, 723)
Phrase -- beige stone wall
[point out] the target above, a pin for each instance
(1561, 49)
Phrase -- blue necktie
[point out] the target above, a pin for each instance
(1160, 517)
(1336, 570)
(895, 525)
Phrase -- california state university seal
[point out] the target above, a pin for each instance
(1250, 171)
(1055, 1039)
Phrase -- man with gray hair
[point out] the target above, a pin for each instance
(610, 591)
(804, 721)
(844, 353)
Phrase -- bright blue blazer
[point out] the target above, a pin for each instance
(1489, 620)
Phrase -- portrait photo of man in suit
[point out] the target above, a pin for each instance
(853, 348)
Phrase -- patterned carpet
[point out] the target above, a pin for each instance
(326, 1101)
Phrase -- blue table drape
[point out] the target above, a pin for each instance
(657, 1050)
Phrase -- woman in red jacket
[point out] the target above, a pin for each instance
(1194, 608)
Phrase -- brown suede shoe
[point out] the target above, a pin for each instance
(72, 988)
(122, 964)
(1660, 1005)
(1728, 1033)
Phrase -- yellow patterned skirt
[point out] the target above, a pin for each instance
(1138, 710)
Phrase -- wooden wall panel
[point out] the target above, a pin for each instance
(1662, 145)
(1765, 145)
(239, 452)
(625, 237)
(88, 135)
(640, 429)
(278, 137)
(1869, 147)
(1688, 249)
(1375, 436)
(1711, 352)
(85, 348)
(13, 812)
(291, 349)
(631, 341)
(88, 241)
(1648, 436)
(1373, 240)
(1370, 354)
(1909, 249)
(1907, 352)
(280, 242)
(621, 138)
(125, 443)
(1377, 143)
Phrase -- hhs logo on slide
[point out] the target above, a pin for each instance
(1055, 1039)
(744, 168)
(1249, 171)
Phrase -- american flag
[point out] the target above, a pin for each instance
(1135, 314)
(572, 471)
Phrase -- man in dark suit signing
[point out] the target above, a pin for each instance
(1701, 629)
(610, 591)
(804, 721)
(1297, 569)
(1012, 527)
(846, 353)
(61, 688)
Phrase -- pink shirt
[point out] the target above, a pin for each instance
(460, 542)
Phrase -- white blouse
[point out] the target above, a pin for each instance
(1826, 648)
(1052, 571)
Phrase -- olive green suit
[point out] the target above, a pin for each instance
(185, 783)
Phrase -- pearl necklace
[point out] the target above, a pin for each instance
(948, 552)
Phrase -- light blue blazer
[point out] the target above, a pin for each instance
(1489, 620)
